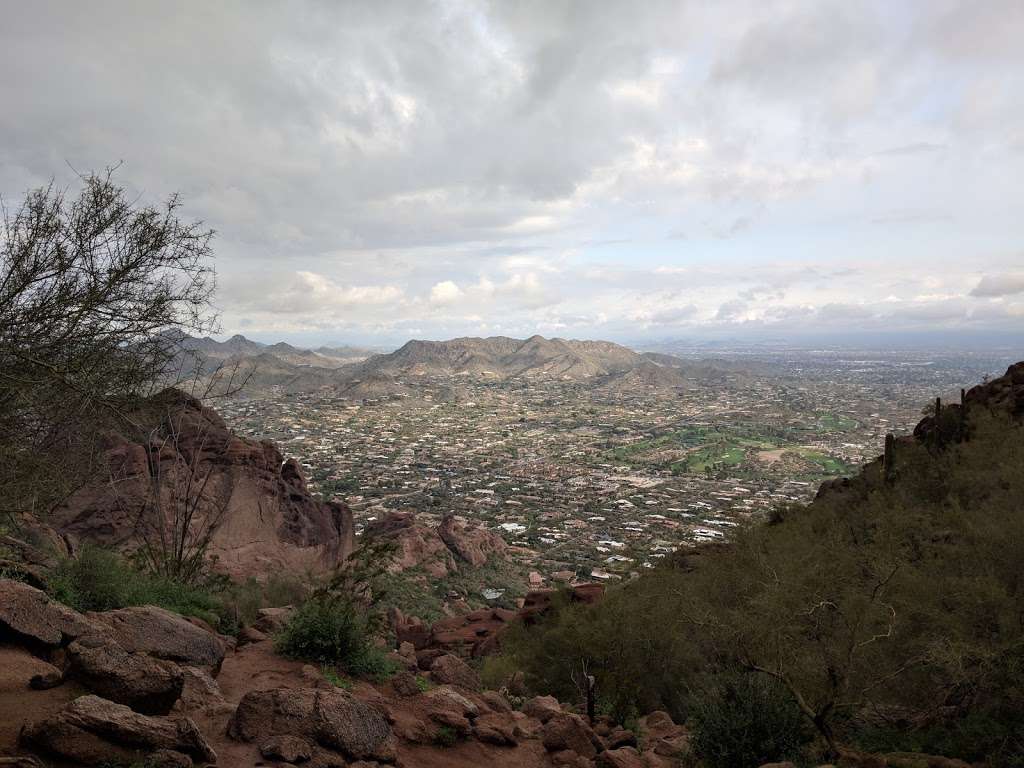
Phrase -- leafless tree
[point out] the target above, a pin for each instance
(96, 293)
(184, 501)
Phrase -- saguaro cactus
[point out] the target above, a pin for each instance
(889, 458)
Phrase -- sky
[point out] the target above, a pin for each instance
(378, 171)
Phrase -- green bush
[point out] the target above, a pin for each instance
(746, 720)
(333, 630)
(101, 580)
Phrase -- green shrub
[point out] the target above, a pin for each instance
(101, 580)
(746, 720)
(333, 630)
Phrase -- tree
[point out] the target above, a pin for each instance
(96, 291)
(183, 504)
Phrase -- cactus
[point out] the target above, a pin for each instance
(889, 458)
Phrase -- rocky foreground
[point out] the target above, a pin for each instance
(145, 684)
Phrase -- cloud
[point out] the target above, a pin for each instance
(373, 169)
(445, 292)
(997, 286)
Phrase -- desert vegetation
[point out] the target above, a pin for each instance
(886, 613)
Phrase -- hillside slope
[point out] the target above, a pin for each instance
(889, 611)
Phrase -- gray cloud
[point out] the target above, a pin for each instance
(355, 156)
(995, 286)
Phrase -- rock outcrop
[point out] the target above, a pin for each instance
(472, 544)
(92, 731)
(268, 521)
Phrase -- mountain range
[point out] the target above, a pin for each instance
(357, 372)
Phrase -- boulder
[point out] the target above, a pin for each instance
(271, 620)
(542, 707)
(165, 635)
(624, 757)
(451, 670)
(147, 685)
(251, 635)
(405, 684)
(495, 701)
(201, 693)
(494, 728)
(568, 731)
(332, 718)
(620, 737)
(29, 616)
(445, 697)
(92, 730)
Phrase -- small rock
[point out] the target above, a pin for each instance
(46, 680)
(291, 749)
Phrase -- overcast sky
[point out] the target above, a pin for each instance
(384, 170)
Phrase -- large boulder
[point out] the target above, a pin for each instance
(92, 731)
(568, 731)
(147, 685)
(333, 719)
(28, 616)
(451, 670)
(165, 635)
(542, 708)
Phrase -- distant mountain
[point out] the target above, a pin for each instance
(500, 357)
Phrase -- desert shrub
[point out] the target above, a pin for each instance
(99, 579)
(746, 720)
(334, 630)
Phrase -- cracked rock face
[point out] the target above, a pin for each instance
(335, 720)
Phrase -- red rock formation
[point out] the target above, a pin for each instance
(271, 522)
(439, 550)
(475, 545)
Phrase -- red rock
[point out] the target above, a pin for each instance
(473, 544)
(542, 708)
(92, 730)
(271, 523)
(568, 731)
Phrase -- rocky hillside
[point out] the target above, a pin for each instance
(191, 464)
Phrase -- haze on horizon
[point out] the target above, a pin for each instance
(384, 170)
